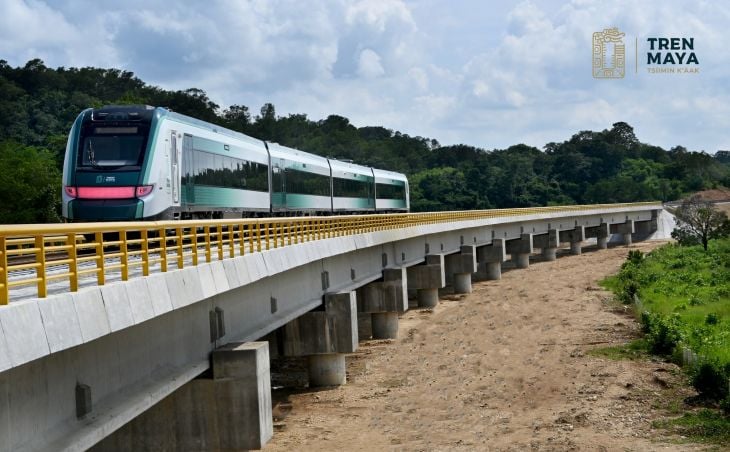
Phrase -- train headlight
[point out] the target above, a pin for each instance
(143, 190)
(70, 191)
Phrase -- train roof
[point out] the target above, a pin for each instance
(385, 174)
(345, 167)
(285, 152)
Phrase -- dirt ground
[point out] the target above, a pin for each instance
(503, 368)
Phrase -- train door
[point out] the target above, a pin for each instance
(175, 152)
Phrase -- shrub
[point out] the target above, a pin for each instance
(710, 379)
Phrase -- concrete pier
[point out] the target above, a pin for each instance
(427, 279)
(548, 243)
(626, 238)
(489, 260)
(331, 333)
(384, 299)
(550, 254)
(520, 249)
(576, 237)
(461, 266)
(625, 229)
(327, 370)
(462, 283)
(521, 260)
(427, 298)
(229, 411)
(385, 325)
(602, 243)
(602, 233)
(575, 248)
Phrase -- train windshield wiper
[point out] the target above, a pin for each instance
(90, 156)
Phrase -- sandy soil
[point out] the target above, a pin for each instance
(503, 368)
(715, 194)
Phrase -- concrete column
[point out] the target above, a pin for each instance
(383, 300)
(385, 325)
(625, 229)
(462, 282)
(520, 249)
(493, 270)
(602, 233)
(575, 236)
(548, 243)
(550, 254)
(521, 260)
(427, 279)
(327, 370)
(575, 248)
(490, 258)
(330, 333)
(427, 298)
(241, 373)
(229, 411)
(461, 265)
(602, 242)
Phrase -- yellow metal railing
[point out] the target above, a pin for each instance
(28, 252)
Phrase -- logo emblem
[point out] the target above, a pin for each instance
(609, 54)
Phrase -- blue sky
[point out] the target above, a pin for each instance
(488, 74)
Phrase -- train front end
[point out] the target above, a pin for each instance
(104, 176)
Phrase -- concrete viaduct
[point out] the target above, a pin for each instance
(157, 336)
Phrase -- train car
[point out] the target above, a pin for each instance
(300, 182)
(135, 163)
(353, 188)
(391, 191)
(145, 163)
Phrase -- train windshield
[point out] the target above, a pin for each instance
(112, 147)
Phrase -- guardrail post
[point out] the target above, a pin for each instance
(231, 240)
(124, 257)
(73, 277)
(99, 249)
(219, 237)
(180, 248)
(241, 241)
(145, 252)
(206, 234)
(163, 249)
(4, 289)
(40, 259)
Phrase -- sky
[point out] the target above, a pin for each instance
(484, 73)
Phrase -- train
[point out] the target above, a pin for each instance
(129, 163)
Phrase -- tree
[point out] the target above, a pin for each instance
(698, 221)
(30, 185)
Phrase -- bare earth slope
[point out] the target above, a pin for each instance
(504, 368)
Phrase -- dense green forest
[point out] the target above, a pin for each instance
(38, 105)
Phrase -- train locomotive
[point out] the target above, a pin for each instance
(126, 163)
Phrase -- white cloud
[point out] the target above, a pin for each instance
(369, 64)
(485, 74)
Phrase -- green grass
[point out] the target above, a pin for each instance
(634, 350)
(683, 301)
(688, 287)
(700, 426)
